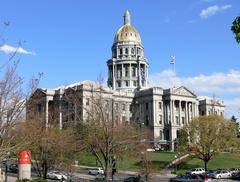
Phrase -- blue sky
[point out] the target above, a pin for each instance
(70, 41)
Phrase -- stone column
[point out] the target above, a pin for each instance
(145, 75)
(186, 117)
(60, 112)
(146, 80)
(139, 74)
(173, 112)
(130, 72)
(122, 72)
(197, 110)
(180, 110)
(113, 75)
(46, 112)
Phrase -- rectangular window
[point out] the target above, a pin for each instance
(183, 120)
(177, 119)
(127, 83)
(116, 106)
(39, 106)
(133, 71)
(134, 83)
(146, 104)
(160, 105)
(147, 120)
(160, 119)
(88, 101)
(119, 83)
(126, 71)
(160, 134)
(123, 107)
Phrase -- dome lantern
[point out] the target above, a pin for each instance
(127, 18)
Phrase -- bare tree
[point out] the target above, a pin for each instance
(12, 102)
(104, 134)
(51, 147)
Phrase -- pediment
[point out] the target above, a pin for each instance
(183, 91)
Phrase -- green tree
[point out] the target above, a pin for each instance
(236, 28)
(210, 135)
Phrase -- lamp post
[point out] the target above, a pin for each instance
(6, 166)
(176, 163)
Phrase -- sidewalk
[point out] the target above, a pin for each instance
(9, 179)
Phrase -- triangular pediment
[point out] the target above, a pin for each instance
(183, 91)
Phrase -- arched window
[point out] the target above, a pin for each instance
(132, 51)
(121, 51)
(126, 51)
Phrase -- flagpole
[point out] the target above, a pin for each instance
(173, 61)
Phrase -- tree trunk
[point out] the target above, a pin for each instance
(45, 170)
(106, 171)
(205, 165)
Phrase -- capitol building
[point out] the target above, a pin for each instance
(128, 95)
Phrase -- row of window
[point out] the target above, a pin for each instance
(127, 51)
(126, 72)
(126, 83)
(159, 106)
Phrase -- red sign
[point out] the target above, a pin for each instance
(25, 157)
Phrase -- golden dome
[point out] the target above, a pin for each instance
(127, 33)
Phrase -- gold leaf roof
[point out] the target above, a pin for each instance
(127, 33)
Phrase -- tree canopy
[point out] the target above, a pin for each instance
(236, 28)
(209, 135)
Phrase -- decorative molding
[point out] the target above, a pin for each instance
(183, 91)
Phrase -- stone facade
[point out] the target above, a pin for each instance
(128, 96)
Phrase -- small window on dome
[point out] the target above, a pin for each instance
(121, 51)
(135, 35)
(126, 34)
(126, 51)
(121, 34)
(130, 34)
(132, 50)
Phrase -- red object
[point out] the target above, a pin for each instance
(195, 149)
(25, 157)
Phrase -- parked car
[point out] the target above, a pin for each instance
(13, 168)
(134, 179)
(56, 175)
(100, 177)
(219, 174)
(236, 176)
(197, 171)
(190, 178)
(234, 170)
(96, 171)
(150, 150)
(210, 173)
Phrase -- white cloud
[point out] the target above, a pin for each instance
(212, 10)
(233, 107)
(217, 83)
(9, 49)
(223, 85)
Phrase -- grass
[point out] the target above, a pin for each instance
(219, 161)
(130, 163)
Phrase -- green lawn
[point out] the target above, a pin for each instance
(159, 160)
(223, 160)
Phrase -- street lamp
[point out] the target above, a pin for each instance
(176, 163)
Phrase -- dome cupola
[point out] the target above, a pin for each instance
(127, 33)
(128, 68)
